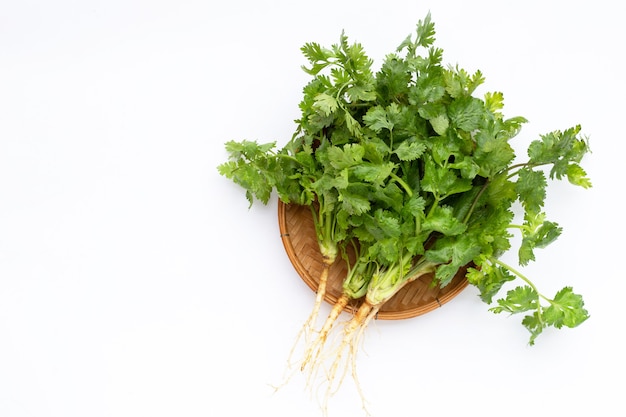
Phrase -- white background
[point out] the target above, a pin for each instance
(135, 281)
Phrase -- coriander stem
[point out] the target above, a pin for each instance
(516, 272)
(433, 207)
(480, 193)
(402, 183)
(522, 277)
(525, 279)
(291, 158)
(520, 166)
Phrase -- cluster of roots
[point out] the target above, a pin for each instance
(330, 350)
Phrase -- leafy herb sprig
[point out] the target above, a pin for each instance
(411, 167)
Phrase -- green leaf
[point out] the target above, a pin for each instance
(430, 111)
(466, 113)
(314, 52)
(534, 324)
(494, 102)
(353, 126)
(560, 149)
(452, 252)
(354, 203)
(577, 175)
(415, 206)
(410, 150)
(392, 81)
(467, 166)
(566, 309)
(361, 92)
(460, 83)
(317, 56)
(427, 89)
(390, 196)
(440, 124)
(442, 181)
(376, 150)
(493, 152)
(518, 300)
(489, 280)
(442, 220)
(501, 191)
(248, 149)
(425, 32)
(531, 188)
(347, 156)
(252, 166)
(380, 225)
(376, 119)
(327, 104)
(379, 118)
(537, 233)
(373, 173)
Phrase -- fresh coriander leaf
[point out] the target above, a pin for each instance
(389, 197)
(376, 119)
(254, 167)
(326, 103)
(442, 219)
(425, 32)
(346, 156)
(466, 113)
(489, 280)
(534, 324)
(442, 181)
(493, 152)
(440, 124)
(361, 92)
(467, 166)
(566, 309)
(452, 253)
(427, 89)
(537, 233)
(353, 126)
(410, 150)
(415, 206)
(531, 188)
(561, 149)
(318, 57)
(430, 111)
(577, 175)
(354, 203)
(494, 102)
(373, 173)
(518, 300)
(459, 83)
(392, 81)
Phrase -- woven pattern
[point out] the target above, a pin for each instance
(298, 236)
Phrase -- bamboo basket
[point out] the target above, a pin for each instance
(298, 236)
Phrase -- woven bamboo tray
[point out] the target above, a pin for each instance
(298, 235)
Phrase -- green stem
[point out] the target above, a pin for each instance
(434, 206)
(529, 282)
(422, 267)
(402, 184)
(289, 157)
(516, 272)
(480, 193)
(513, 169)
(324, 224)
(517, 226)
